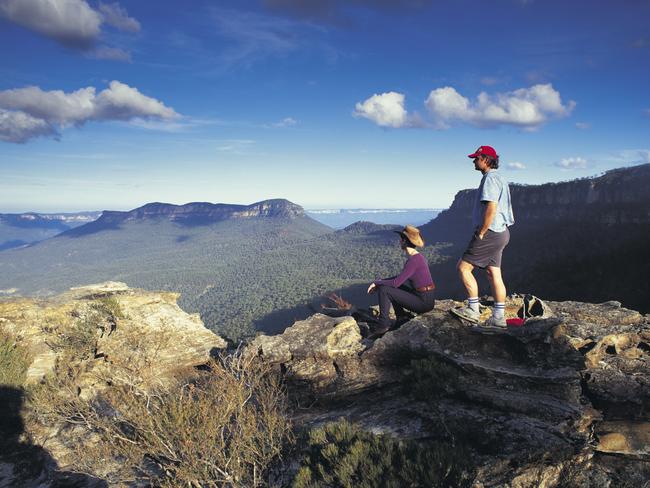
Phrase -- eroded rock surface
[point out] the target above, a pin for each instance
(540, 403)
(100, 334)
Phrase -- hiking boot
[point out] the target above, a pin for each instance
(495, 323)
(378, 330)
(466, 313)
(402, 319)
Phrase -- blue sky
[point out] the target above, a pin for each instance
(328, 103)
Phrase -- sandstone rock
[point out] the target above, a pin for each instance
(318, 351)
(535, 392)
(152, 338)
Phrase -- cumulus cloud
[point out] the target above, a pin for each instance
(583, 125)
(516, 166)
(572, 163)
(20, 127)
(116, 16)
(73, 23)
(528, 108)
(385, 110)
(36, 112)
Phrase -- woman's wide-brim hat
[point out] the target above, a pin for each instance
(412, 234)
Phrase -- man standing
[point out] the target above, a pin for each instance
(492, 214)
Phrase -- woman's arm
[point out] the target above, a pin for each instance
(409, 269)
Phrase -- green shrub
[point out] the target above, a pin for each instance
(79, 340)
(432, 378)
(14, 361)
(340, 454)
(222, 426)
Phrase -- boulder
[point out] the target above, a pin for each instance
(540, 391)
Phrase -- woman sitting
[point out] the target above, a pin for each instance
(418, 299)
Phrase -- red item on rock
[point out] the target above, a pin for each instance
(516, 322)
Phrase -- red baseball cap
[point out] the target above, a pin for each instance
(485, 151)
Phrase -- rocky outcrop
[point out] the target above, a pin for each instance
(88, 339)
(134, 327)
(538, 403)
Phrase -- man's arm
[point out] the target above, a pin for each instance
(488, 217)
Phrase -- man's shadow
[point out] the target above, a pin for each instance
(25, 464)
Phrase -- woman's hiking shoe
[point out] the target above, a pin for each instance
(466, 313)
(495, 323)
(377, 330)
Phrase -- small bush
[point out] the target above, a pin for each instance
(224, 426)
(79, 340)
(432, 378)
(14, 361)
(340, 454)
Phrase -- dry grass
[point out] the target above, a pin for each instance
(224, 426)
(339, 302)
(14, 361)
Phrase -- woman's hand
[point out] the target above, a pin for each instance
(372, 288)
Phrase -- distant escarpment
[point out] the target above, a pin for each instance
(576, 239)
(198, 213)
(22, 229)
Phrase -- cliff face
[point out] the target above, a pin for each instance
(619, 196)
(538, 404)
(206, 211)
(574, 240)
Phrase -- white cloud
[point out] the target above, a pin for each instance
(41, 112)
(122, 102)
(70, 22)
(528, 108)
(386, 110)
(286, 122)
(73, 23)
(111, 53)
(583, 125)
(20, 127)
(644, 156)
(116, 16)
(572, 163)
(516, 166)
(490, 80)
(647, 112)
(235, 146)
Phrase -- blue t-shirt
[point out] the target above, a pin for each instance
(493, 189)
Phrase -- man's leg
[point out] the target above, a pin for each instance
(499, 294)
(467, 277)
(471, 312)
(497, 284)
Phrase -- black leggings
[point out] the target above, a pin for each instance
(403, 298)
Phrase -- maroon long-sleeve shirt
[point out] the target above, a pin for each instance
(416, 269)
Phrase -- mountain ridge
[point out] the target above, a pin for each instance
(579, 239)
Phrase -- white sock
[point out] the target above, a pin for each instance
(498, 312)
(472, 302)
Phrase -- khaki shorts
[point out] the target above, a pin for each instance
(487, 251)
